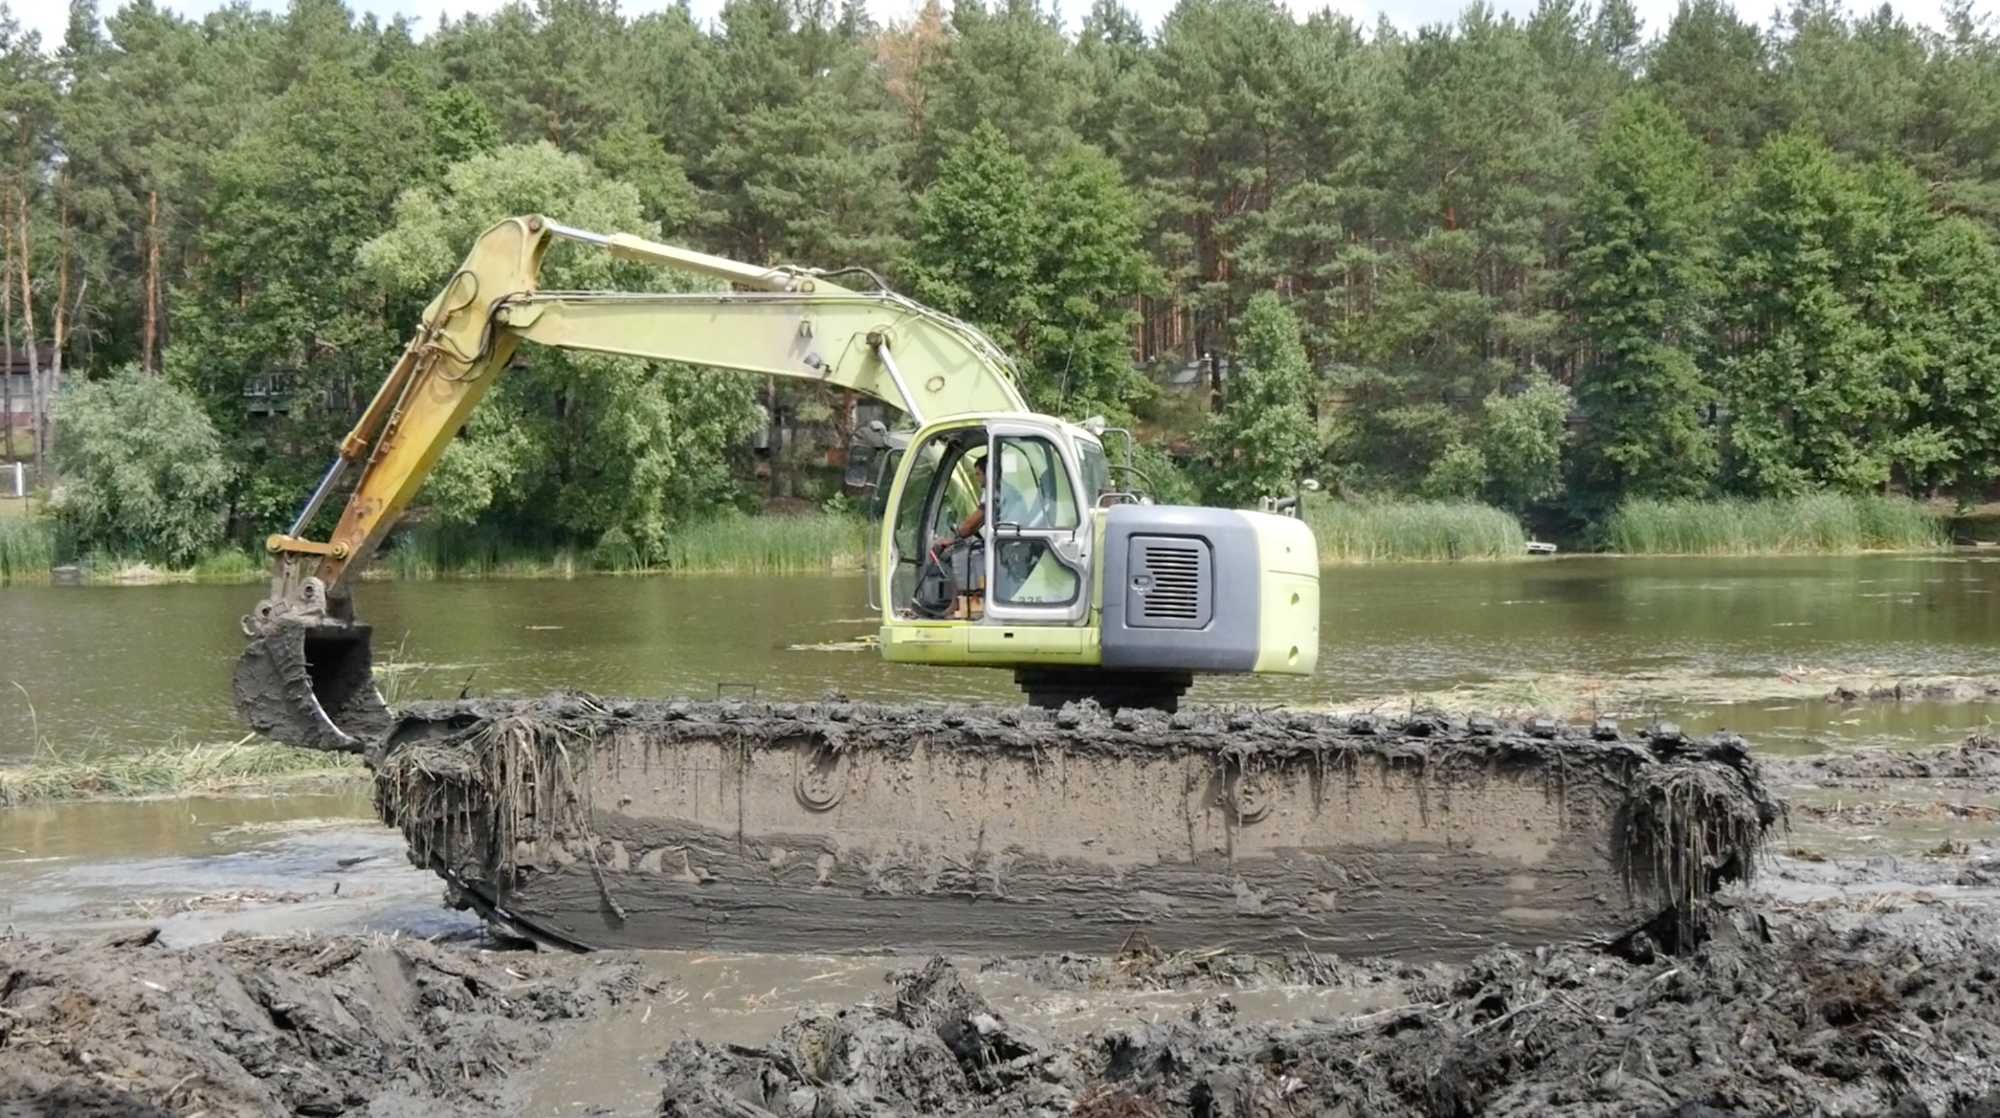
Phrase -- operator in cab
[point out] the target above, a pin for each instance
(974, 520)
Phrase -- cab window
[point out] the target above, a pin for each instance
(1096, 472)
(1036, 507)
(1033, 489)
(910, 510)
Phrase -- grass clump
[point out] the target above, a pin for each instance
(171, 771)
(1392, 531)
(1820, 523)
(728, 544)
(431, 551)
(27, 548)
(769, 544)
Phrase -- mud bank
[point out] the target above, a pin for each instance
(849, 826)
(1802, 1020)
(1950, 689)
(1973, 764)
(302, 1025)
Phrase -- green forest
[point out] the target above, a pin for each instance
(1557, 264)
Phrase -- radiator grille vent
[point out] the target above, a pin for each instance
(1171, 583)
(1176, 590)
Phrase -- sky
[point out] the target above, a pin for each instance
(49, 16)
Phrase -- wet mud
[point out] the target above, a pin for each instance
(1972, 765)
(857, 827)
(1835, 985)
(1805, 1019)
(1950, 689)
(303, 1025)
(1900, 827)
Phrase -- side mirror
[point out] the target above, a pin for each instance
(859, 458)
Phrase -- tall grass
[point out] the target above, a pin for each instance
(730, 544)
(170, 771)
(27, 549)
(1821, 523)
(437, 551)
(1391, 531)
(781, 544)
(231, 564)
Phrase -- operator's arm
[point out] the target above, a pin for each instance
(966, 529)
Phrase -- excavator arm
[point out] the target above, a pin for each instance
(307, 676)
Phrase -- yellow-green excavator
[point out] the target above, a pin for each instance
(1053, 564)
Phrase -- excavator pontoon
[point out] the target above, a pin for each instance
(1007, 539)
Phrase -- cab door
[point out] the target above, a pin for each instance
(1037, 533)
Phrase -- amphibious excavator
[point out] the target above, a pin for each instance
(1007, 539)
(1076, 581)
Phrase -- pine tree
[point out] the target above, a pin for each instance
(1641, 274)
(1713, 70)
(1007, 66)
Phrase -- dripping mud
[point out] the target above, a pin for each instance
(1854, 973)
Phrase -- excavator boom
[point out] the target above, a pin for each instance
(307, 677)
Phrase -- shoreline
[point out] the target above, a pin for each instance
(146, 575)
(1350, 534)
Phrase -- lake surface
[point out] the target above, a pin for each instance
(147, 666)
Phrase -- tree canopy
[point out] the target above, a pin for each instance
(1552, 261)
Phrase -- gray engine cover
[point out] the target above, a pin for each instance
(1180, 589)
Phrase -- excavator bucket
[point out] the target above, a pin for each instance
(311, 684)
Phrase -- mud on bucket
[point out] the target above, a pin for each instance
(312, 685)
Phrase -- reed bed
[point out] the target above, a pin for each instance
(1818, 524)
(730, 544)
(1407, 531)
(769, 544)
(438, 551)
(27, 549)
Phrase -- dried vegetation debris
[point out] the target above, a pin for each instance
(1821, 1020)
(301, 1025)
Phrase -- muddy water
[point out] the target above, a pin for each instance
(137, 666)
(203, 866)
